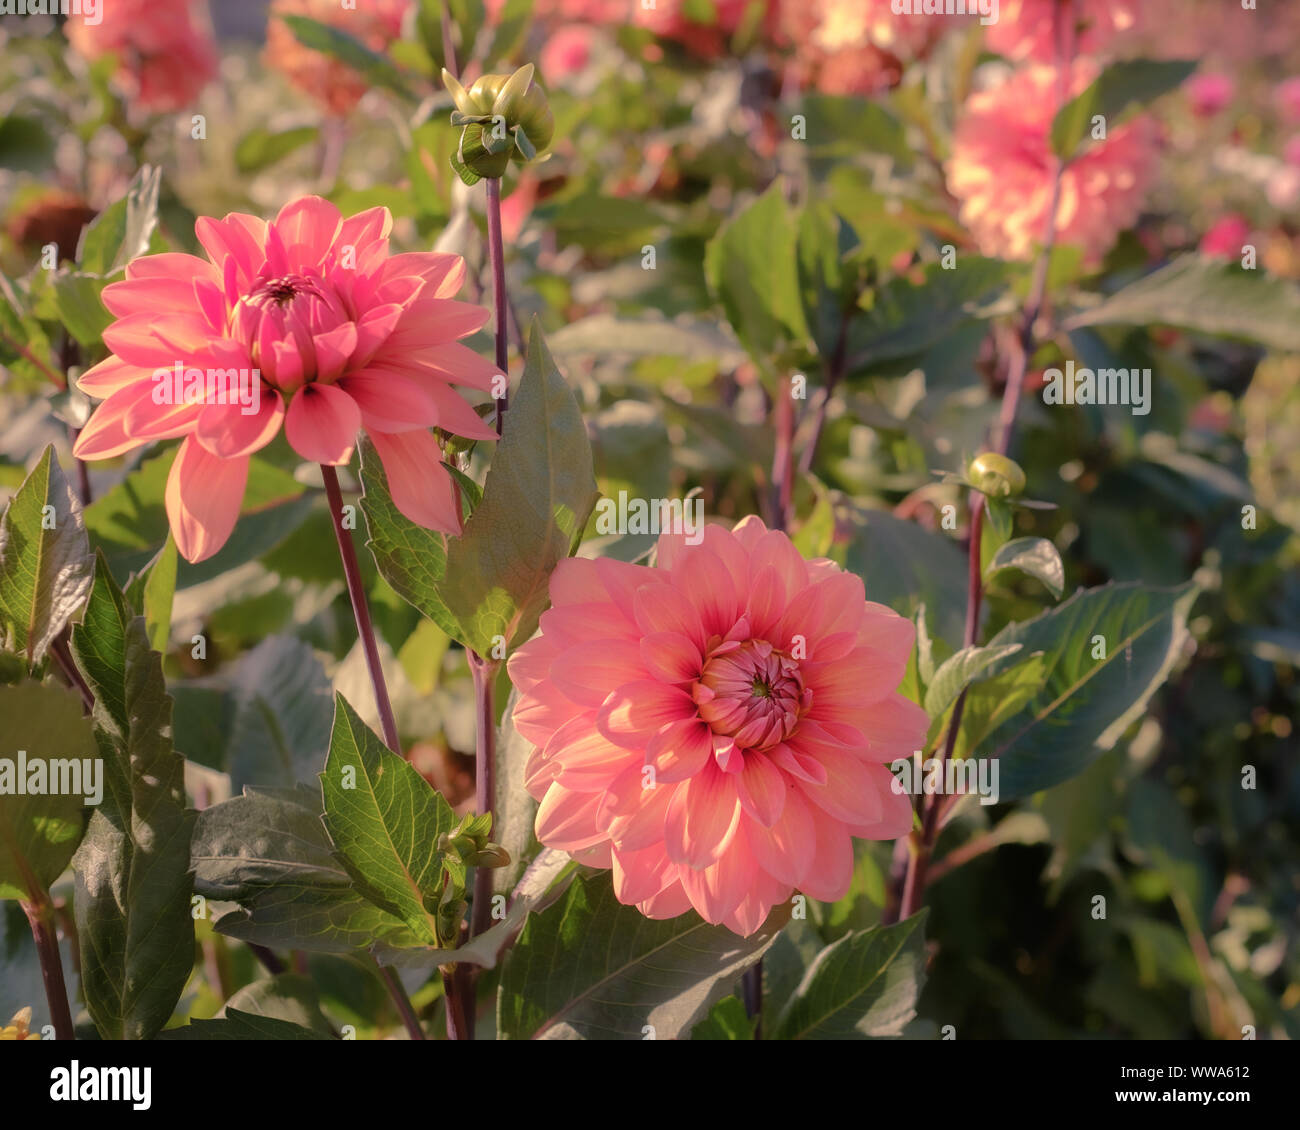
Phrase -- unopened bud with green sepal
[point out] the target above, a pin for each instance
(996, 475)
(503, 118)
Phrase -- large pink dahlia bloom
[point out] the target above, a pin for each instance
(716, 729)
(319, 329)
(1001, 169)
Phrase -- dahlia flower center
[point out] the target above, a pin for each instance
(752, 693)
(281, 319)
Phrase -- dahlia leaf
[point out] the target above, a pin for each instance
(410, 558)
(45, 563)
(958, 672)
(1205, 296)
(538, 494)
(1099, 658)
(1118, 89)
(133, 875)
(385, 820)
(39, 830)
(269, 852)
(752, 270)
(864, 986)
(1035, 557)
(905, 565)
(259, 148)
(125, 229)
(592, 968)
(375, 68)
(237, 1025)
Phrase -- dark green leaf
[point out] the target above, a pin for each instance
(1036, 557)
(1205, 296)
(865, 986)
(260, 147)
(1121, 86)
(538, 494)
(125, 229)
(236, 1025)
(45, 562)
(133, 867)
(1082, 704)
(385, 820)
(48, 745)
(592, 968)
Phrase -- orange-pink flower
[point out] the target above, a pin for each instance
(1025, 27)
(165, 54)
(1001, 169)
(718, 728)
(306, 321)
(336, 86)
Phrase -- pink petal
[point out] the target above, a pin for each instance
(390, 402)
(585, 761)
(566, 820)
(761, 788)
(590, 672)
(637, 710)
(105, 435)
(671, 657)
(333, 348)
(851, 792)
(203, 497)
(306, 228)
(679, 750)
(702, 818)
(226, 431)
(322, 424)
(239, 239)
(785, 850)
(420, 485)
(109, 376)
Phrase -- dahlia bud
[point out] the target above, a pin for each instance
(996, 475)
(504, 118)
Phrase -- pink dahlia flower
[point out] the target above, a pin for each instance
(1226, 238)
(1287, 98)
(165, 54)
(1210, 94)
(760, 688)
(1001, 169)
(1025, 27)
(335, 85)
(307, 321)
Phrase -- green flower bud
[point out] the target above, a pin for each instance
(996, 475)
(504, 118)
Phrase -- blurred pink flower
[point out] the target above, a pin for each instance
(165, 54)
(566, 51)
(1209, 94)
(1287, 97)
(1001, 169)
(1291, 150)
(323, 331)
(717, 728)
(1226, 237)
(855, 46)
(336, 86)
(672, 19)
(1024, 28)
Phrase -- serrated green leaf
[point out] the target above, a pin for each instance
(958, 672)
(236, 1025)
(44, 561)
(1036, 557)
(409, 557)
(152, 591)
(385, 820)
(1120, 87)
(1205, 296)
(752, 270)
(865, 986)
(125, 229)
(539, 492)
(133, 867)
(80, 309)
(259, 148)
(374, 67)
(40, 831)
(592, 968)
(268, 851)
(1079, 706)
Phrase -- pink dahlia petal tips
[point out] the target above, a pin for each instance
(683, 727)
(304, 322)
